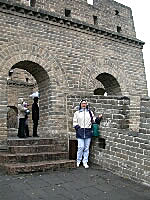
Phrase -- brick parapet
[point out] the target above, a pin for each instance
(115, 111)
(145, 117)
(47, 16)
(127, 152)
(108, 14)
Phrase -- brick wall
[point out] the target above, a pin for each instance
(66, 56)
(126, 152)
(71, 57)
(115, 112)
(109, 14)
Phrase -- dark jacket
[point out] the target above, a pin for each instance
(84, 133)
(35, 112)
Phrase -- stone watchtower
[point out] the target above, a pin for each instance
(73, 50)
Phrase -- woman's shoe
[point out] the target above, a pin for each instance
(86, 166)
(78, 164)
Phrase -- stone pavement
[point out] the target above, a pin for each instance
(74, 184)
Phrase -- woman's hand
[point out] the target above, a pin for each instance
(100, 116)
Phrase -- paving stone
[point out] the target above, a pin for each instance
(57, 185)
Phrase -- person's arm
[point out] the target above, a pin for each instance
(75, 121)
(94, 119)
(22, 108)
(98, 119)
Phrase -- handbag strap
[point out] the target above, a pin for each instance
(91, 116)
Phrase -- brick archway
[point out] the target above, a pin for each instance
(44, 87)
(94, 67)
(110, 84)
(45, 69)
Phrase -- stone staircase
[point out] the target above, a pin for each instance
(35, 154)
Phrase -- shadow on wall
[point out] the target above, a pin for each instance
(100, 91)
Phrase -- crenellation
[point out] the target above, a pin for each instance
(101, 14)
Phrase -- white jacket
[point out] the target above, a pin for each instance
(21, 111)
(82, 118)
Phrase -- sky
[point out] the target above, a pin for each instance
(141, 17)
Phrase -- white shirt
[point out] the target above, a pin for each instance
(82, 118)
(21, 111)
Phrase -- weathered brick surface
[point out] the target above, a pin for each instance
(45, 49)
(105, 11)
(128, 149)
(126, 152)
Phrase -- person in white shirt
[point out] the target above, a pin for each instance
(82, 122)
(21, 115)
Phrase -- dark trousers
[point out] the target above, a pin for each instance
(35, 125)
(21, 130)
(27, 130)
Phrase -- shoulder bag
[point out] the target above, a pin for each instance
(95, 127)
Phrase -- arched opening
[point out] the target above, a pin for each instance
(32, 3)
(111, 85)
(99, 91)
(12, 119)
(25, 78)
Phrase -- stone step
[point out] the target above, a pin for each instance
(35, 154)
(37, 148)
(38, 166)
(32, 157)
(35, 141)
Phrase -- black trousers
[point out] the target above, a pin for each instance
(27, 130)
(35, 126)
(21, 130)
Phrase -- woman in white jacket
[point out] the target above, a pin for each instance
(82, 122)
(21, 115)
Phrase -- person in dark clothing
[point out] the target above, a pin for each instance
(35, 116)
(27, 112)
(26, 126)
